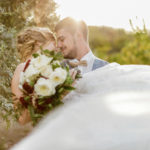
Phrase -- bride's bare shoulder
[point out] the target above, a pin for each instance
(20, 67)
(18, 70)
(15, 79)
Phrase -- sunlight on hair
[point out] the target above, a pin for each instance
(128, 103)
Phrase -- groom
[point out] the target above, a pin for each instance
(73, 42)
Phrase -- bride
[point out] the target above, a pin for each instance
(29, 41)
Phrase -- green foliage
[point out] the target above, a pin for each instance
(116, 45)
(21, 13)
(106, 42)
(54, 66)
(56, 55)
(35, 55)
(8, 62)
(34, 116)
(136, 51)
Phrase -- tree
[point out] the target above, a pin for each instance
(137, 50)
(107, 42)
(15, 15)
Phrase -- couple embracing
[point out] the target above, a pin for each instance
(71, 39)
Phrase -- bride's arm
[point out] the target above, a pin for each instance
(15, 82)
(25, 117)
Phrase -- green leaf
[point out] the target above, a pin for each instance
(41, 97)
(35, 55)
(34, 116)
(32, 83)
(50, 106)
(68, 80)
(31, 110)
(58, 56)
(61, 90)
(78, 76)
(67, 68)
(38, 115)
(46, 51)
(69, 88)
(52, 53)
(41, 102)
(54, 66)
(27, 98)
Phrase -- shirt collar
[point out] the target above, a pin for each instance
(87, 56)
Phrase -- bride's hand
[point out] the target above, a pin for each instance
(25, 117)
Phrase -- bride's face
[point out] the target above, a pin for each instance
(51, 45)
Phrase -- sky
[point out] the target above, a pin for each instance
(113, 13)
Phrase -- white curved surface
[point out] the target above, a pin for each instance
(110, 110)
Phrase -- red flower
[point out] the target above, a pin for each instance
(48, 100)
(23, 102)
(26, 65)
(45, 104)
(28, 88)
(44, 77)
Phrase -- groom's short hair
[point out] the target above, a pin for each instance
(71, 25)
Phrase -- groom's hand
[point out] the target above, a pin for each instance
(73, 73)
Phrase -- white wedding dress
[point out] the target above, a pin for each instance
(109, 110)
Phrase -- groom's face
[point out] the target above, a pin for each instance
(66, 43)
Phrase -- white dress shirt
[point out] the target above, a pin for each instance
(89, 57)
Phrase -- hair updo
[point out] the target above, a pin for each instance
(27, 40)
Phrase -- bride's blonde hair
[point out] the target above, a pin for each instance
(28, 38)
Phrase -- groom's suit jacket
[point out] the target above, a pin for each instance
(98, 63)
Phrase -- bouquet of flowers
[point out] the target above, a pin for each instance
(44, 82)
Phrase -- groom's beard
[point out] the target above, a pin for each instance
(71, 55)
(73, 52)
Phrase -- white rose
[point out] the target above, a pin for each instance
(58, 76)
(21, 80)
(46, 71)
(44, 87)
(41, 61)
(31, 73)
